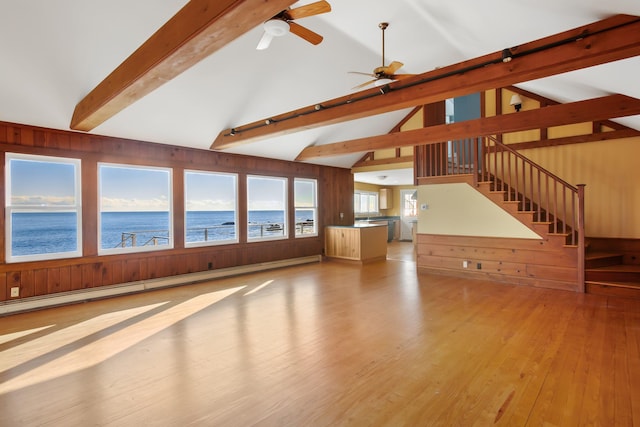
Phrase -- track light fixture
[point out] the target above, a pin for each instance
(232, 132)
(384, 89)
(507, 56)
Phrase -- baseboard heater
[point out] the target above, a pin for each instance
(83, 295)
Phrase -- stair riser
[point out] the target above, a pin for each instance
(604, 262)
(614, 291)
(612, 276)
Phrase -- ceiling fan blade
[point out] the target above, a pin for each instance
(305, 33)
(360, 86)
(393, 67)
(265, 41)
(309, 10)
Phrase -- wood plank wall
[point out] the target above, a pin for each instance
(335, 195)
(539, 263)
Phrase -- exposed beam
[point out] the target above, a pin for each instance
(386, 161)
(604, 41)
(555, 115)
(200, 28)
(577, 139)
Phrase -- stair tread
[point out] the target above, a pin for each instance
(600, 255)
(618, 284)
(618, 268)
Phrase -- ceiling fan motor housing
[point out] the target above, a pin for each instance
(276, 27)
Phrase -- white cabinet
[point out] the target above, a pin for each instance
(385, 198)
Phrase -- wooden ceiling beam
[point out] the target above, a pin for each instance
(577, 139)
(604, 41)
(200, 28)
(555, 115)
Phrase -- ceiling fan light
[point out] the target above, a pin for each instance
(276, 27)
(383, 81)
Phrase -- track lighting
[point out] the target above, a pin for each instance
(318, 107)
(384, 89)
(232, 132)
(507, 56)
(268, 121)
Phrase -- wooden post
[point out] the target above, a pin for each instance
(581, 248)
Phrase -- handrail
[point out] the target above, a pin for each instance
(514, 152)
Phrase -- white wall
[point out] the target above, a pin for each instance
(460, 210)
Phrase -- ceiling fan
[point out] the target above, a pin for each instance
(282, 24)
(383, 74)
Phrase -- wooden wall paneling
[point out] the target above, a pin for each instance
(4, 290)
(335, 192)
(516, 261)
(87, 276)
(542, 257)
(26, 282)
(116, 271)
(53, 280)
(178, 207)
(98, 274)
(75, 277)
(144, 268)
(89, 177)
(131, 269)
(65, 278)
(151, 268)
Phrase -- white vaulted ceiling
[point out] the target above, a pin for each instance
(54, 52)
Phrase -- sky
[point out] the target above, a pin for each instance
(125, 188)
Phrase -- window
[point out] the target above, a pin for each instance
(210, 208)
(365, 202)
(43, 208)
(306, 201)
(135, 208)
(267, 208)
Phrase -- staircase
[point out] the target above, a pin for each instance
(606, 273)
(542, 201)
(536, 220)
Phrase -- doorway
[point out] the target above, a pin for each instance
(408, 213)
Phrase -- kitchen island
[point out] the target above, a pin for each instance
(360, 242)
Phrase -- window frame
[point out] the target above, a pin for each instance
(285, 186)
(236, 239)
(10, 208)
(135, 249)
(357, 194)
(314, 208)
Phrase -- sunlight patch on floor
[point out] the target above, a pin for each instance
(264, 285)
(102, 348)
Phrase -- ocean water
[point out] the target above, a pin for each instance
(43, 233)
(40, 233)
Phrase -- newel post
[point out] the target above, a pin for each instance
(581, 247)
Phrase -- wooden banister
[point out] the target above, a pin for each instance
(537, 190)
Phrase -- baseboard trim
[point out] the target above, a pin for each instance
(84, 295)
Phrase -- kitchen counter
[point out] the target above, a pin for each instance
(359, 242)
(393, 224)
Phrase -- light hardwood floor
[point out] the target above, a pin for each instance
(327, 344)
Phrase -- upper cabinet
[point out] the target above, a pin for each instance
(386, 198)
